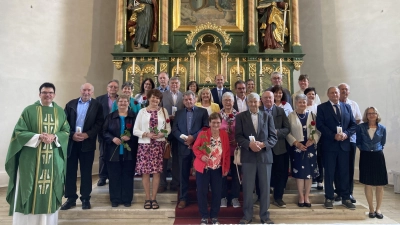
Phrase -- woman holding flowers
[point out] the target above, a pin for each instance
(303, 138)
(228, 114)
(127, 89)
(280, 99)
(121, 148)
(152, 126)
(212, 162)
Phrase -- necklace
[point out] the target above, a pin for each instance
(301, 117)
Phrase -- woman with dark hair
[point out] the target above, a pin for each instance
(145, 87)
(193, 86)
(311, 105)
(212, 162)
(120, 149)
(152, 127)
(134, 105)
(280, 99)
(371, 139)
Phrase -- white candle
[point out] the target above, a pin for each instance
(280, 64)
(237, 65)
(133, 65)
(284, 23)
(260, 66)
(177, 66)
(155, 66)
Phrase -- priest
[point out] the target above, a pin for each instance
(36, 161)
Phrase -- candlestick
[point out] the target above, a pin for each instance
(177, 66)
(133, 65)
(237, 65)
(260, 66)
(280, 65)
(155, 66)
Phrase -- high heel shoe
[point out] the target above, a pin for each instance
(300, 204)
(307, 204)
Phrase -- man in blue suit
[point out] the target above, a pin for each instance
(218, 91)
(336, 123)
(188, 122)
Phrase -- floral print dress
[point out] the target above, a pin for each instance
(304, 163)
(150, 155)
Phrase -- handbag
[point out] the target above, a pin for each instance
(167, 148)
(236, 161)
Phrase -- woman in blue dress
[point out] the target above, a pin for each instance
(303, 138)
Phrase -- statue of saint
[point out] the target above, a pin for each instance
(142, 25)
(272, 24)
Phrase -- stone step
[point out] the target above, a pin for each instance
(102, 211)
(164, 221)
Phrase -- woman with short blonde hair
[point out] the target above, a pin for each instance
(205, 100)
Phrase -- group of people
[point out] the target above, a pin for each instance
(204, 127)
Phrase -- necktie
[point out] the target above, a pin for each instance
(220, 95)
(339, 117)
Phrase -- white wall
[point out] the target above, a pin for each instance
(356, 42)
(66, 42)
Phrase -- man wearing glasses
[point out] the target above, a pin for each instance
(276, 79)
(240, 104)
(107, 102)
(36, 161)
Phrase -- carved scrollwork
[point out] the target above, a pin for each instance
(148, 68)
(252, 69)
(163, 67)
(208, 26)
(117, 64)
(297, 64)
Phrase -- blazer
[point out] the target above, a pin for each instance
(143, 121)
(167, 101)
(214, 107)
(282, 128)
(214, 93)
(103, 100)
(92, 125)
(199, 120)
(296, 128)
(198, 164)
(112, 129)
(327, 124)
(266, 133)
(364, 141)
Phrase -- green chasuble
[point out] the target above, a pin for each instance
(42, 169)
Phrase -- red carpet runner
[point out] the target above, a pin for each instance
(191, 214)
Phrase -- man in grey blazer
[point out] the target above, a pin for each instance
(280, 166)
(256, 135)
(172, 100)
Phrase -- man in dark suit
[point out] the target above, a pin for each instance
(188, 123)
(276, 79)
(280, 166)
(218, 91)
(336, 123)
(172, 100)
(106, 102)
(85, 117)
(256, 135)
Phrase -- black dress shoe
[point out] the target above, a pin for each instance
(307, 204)
(379, 215)
(352, 199)
(86, 204)
(114, 204)
(127, 204)
(68, 204)
(338, 198)
(267, 221)
(101, 182)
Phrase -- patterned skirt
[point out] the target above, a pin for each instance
(150, 157)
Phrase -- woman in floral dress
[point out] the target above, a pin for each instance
(149, 124)
(303, 138)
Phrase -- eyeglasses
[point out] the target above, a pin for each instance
(371, 113)
(111, 86)
(46, 93)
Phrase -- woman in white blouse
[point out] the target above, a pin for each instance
(311, 105)
(146, 86)
(303, 138)
(280, 99)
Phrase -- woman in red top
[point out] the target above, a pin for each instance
(211, 164)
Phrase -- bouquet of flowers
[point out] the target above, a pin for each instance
(205, 144)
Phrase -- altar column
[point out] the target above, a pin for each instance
(296, 30)
(224, 65)
(252, 47)
(192, 66)
(164, 26)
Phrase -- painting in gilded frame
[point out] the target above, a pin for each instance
(225, 13)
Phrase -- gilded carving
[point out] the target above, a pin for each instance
(148, 68)
(252, 69)
(267, 69)
(208, 26)
(182, 70)
(117, 64)
(163, 67)
(233, 71)
(297, 64)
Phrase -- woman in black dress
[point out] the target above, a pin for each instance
(371, 139)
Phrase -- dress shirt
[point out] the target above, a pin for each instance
(268, 110)
(163, 89)
(357, 116)
(220, 90)
(110, 103)
(334, 108)
(189, 117)
(81, 113)
(254, 119)
(242, 104)
(174, 97)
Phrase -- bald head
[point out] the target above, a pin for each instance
(267, 99)
(87, 90)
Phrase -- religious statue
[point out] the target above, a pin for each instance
(273, 23)
(142, 25)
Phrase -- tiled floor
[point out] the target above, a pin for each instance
(390, 208)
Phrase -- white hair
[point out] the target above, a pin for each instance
(253, 95)
(228, 95)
